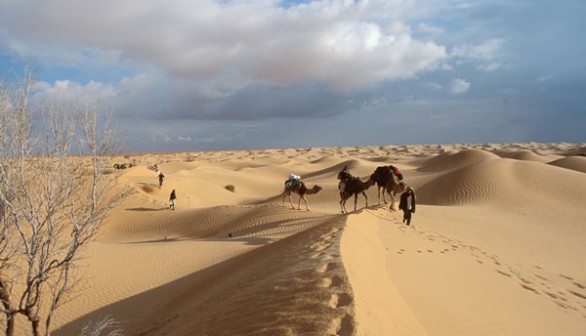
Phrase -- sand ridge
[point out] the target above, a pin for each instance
(498, 231)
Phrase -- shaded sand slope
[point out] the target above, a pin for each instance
(293, 286)
(577, 163)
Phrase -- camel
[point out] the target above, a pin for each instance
(381, 176)
(387, 181)
(353, 186)
(300, 189)
(394, 187)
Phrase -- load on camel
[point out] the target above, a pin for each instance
(294, 184)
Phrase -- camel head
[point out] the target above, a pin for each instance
(402, 187)
(314, 190)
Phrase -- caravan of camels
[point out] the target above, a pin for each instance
(384, 177)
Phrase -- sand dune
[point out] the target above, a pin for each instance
(496, 246)
(577, 163)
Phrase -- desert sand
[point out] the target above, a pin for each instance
(497, 245)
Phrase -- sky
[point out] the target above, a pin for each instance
(185, 75)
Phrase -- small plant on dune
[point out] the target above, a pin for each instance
(230, 187)
(148, 189)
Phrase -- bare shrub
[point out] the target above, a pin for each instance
(51, 202)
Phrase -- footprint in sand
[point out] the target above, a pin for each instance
(343, 326)
(326, 267)
(329, 282)
(333, 302)
(319, 255)
(527, 287)
(320, 247)
(338, 300)
(580, 295)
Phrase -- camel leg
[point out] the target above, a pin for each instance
(365, 199)
(392, 207)
(382, 190)
(304, 200)
(355, 201)
(291, 202)
(392, 200)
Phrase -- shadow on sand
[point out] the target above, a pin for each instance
(146, 209)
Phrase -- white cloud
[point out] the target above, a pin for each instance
(69, 91)
(346, 44)
(487, 54)
(430, 29)
(459, 86)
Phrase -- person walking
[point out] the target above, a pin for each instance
(161, 177)
(407, 204)
(172, 199)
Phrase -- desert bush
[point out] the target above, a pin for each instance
(51, 202)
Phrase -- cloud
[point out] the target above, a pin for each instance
(73, 92)
(486, 54)
(347, 45)
(430, 29)
(189, 74)
(459, 86)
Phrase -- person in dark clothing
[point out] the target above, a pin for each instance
(161, 177)
(343, 175)
(172, 199)
(407, 204)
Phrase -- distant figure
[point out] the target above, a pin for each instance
(172, 199)
(343, 176)
(407, 204)
(161, 177)
(397, 173)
